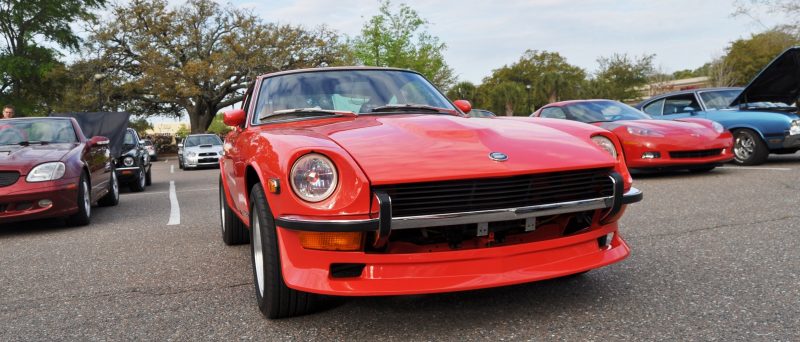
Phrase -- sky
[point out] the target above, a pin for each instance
(485, 35)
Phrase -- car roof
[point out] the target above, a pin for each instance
(341, 68)
(689, 91)
(566, 102)
(200, 134)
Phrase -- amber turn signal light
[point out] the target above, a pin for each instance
(332, 241)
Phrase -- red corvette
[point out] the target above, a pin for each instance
(368, 181)
(698, 145)
(48, 168)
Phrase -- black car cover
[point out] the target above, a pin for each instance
(111, 125)
(779, 81)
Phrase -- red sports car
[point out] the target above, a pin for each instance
(368, 181)
(695, 144)
(49, 169)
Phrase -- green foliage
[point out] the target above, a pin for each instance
(29, 67)
(746, 57)
(182, 133)
(619, 76)
(140, 125)
(463, 91)
(399, 40)
(199, 56)
(538, 78)
(218, 127)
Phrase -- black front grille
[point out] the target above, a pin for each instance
(206, 154)
(8, 177)
(695, 154)
(497, 193)
(208, 160)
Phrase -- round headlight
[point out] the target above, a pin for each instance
(46, 172)
(717, 127)
(313, 177)
(127, 161)
(794, 128)
(606, 144)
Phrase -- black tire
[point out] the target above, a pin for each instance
(84, 214)
(275, 299)
(112, 197)
(138, 184)
(234, 232)
(748, 148)
(148, 180)
(180, 164)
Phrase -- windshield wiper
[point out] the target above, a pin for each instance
(596, 121)
(28, 143)
(410, 107)
(312, 111)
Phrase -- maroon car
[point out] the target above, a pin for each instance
(48, 168)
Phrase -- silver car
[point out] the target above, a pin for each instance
(199, 150)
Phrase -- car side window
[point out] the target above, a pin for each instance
(680, 104)
(654, 108)
(554, 113)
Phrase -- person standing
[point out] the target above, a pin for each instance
(8, 112)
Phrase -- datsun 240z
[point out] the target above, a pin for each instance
(368, 182)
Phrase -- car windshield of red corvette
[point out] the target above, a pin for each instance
(603, 111)
(15, 132)
(356, 91)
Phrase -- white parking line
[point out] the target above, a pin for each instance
(754, 168)
(172, 169)
(174, 208)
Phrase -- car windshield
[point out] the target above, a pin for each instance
(481, 113)
(323, 93)
(197, 140)
(721, 99)
(598, 111)
(25, 131)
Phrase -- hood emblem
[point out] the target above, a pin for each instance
(498, 156)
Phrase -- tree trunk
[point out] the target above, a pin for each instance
(200, 117)
(509, 109)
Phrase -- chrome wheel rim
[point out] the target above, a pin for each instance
(258, 253)
(87, 206)
(141, 178)
(222, 208)
(114, 185)
(744, 147)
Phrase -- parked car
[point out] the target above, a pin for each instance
(48, 168)
(762, 116)
(481, 113)
(694, 144)
(133, 166)
(151, 149)
(362, 181)
(199, 150)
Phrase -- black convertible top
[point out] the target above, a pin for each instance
(111, 125)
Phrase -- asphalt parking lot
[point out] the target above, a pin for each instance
(714, 257)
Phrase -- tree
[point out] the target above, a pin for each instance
(199, 57)
(746, 57)
(31, 29)
(399, 40)
(620, 77)
(463, 91)
(218, 127)
(140, 125)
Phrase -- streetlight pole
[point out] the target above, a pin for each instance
(97, 79)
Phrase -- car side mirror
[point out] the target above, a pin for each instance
(463, 105)
(98, 141)
(180, 145)
(234, 117)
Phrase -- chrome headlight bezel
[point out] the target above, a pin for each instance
(794, 127)
(46, 172)
(191, 154)
(301, 172)
(605, 144)
(128, 161)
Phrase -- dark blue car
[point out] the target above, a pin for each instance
(762, 116)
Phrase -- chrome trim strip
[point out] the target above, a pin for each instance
(129, 168)
(409, 222)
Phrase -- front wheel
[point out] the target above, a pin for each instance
(148, 180)
(84, 202)
(112, 197)
(275, 299)
(234, 231)
(139, 183)
(748, 148)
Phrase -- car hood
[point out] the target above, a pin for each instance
(777, 82)
(203, 148)
(416, 148)
(23, 158)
